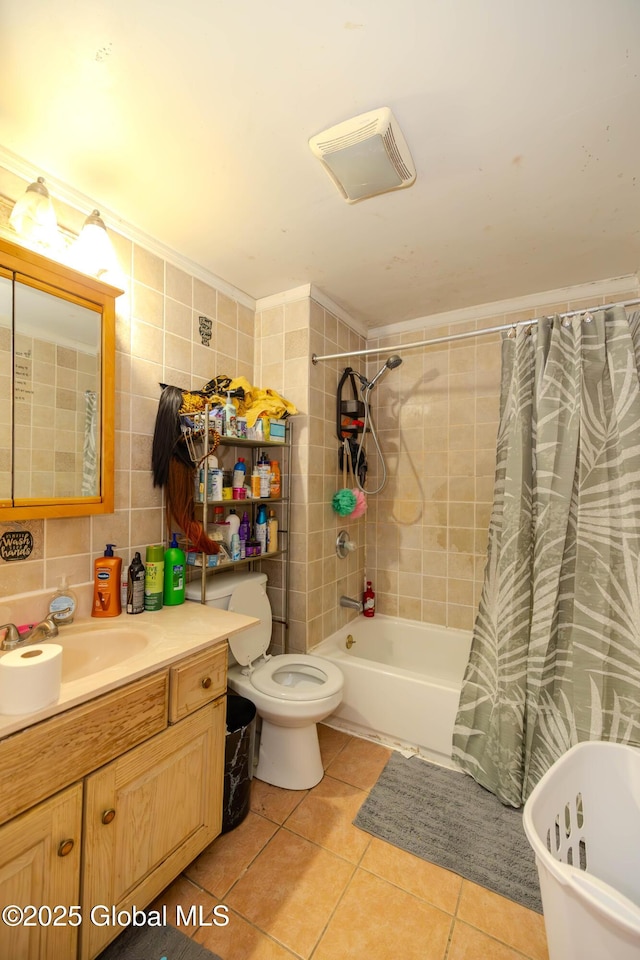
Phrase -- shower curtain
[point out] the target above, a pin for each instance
(555, 656)
(90, 449)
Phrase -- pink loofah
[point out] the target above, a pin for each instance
(361, 504)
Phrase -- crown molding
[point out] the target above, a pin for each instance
(609, 289)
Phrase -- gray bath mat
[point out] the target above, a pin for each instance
(155, 943)
(445, 817)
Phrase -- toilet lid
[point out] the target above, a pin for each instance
(250, 599)
(298, 676)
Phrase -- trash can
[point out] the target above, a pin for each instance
(238, 760)
(583, 823)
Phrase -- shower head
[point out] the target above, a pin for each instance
(391, 364)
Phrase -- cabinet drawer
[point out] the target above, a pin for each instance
(197, 681)
(44, 758)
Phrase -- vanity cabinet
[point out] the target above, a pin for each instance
(149, 814)
(145, 763)
(40, 866)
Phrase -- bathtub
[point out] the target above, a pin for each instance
(402, 682)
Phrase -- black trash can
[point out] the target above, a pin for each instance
(238, 760)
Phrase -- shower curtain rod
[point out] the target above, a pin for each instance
(464, 336)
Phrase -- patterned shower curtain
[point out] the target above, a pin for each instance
(555, 656)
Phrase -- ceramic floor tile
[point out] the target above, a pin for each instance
(240, 940)
(290, 890)
(360, 763)
(467, 943)
(331, 742)
(504, 920)
(425, 880)
(226, 859)
(182, 893)
(274, 803)
(379, 921)
(326, 816)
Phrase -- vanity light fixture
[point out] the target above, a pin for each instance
(34, 218)
(93, 252)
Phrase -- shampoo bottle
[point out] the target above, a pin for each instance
(261, 528)
(272, 532)
(135, 586)
(369, 601)
(154, 578)
(230, 416)
(233, 521)
(174, 586)
(106, 585)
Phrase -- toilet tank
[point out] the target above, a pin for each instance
(220, 587)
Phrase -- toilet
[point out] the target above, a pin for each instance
(291, 692)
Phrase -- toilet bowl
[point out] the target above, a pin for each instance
(291, 692)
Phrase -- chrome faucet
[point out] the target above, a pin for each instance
(45, 630)
(352, 604)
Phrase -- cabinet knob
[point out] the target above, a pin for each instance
(206, 682)
(65, 848)
(108, 816)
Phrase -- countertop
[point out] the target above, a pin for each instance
(171, 633)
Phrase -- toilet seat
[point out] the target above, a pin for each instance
(297, 676)
(251, 643)
(287, 676)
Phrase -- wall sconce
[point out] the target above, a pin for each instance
(33, 217)
(93, 252)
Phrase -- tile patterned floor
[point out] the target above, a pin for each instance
(300, 882)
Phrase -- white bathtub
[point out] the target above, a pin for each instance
(402, 682)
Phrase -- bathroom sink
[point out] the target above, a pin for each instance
(86, 653)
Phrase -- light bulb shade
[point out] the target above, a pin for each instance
(93, 252)
(33, 217)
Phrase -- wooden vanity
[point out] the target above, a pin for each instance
(105, 802)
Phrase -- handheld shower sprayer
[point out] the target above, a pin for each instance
(391, 364)
(367, 386)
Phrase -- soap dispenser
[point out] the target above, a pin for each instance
(106, 585)
(63, 603)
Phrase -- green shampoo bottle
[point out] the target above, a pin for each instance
(174, 585)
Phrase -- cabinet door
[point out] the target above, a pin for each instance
(40, 868)
(148, 814)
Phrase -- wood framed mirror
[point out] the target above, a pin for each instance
(57, 389)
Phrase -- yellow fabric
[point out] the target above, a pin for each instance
(257, 402)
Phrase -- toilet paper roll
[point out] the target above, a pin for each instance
(30, 678)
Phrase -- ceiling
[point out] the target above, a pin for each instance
(191, 120)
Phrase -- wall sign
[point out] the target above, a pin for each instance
(16, 545)
(206, 327)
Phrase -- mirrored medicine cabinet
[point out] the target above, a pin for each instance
(57, 389)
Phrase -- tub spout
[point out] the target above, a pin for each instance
(352, 604)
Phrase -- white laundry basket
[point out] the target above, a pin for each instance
(583, 822)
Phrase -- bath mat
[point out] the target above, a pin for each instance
(445, 817)
(155, 943)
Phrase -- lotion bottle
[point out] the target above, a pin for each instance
(106, 585)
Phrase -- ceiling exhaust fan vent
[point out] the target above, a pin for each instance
(365, 156)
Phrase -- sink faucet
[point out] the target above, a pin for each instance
(352, 604)
(45, 630)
